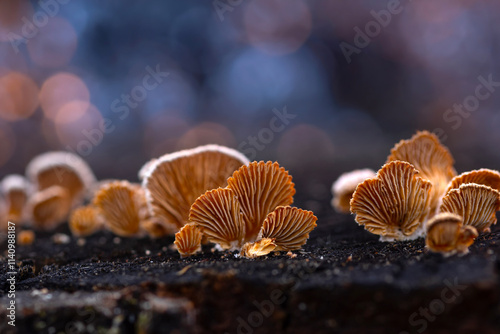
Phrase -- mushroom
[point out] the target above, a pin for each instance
(218, 214)
(289, 227)
(431, 159)
(253, 207)
(487, 177)
(122, 206)
(446, 234)
(259, 248)
(174, 181)
(156, 228)
(344, 187)
(476, 204)
(260, 187)
(188, 240)
(26, 237)
(85, 220)
(16, 190)
(394, 204)
(49, 207)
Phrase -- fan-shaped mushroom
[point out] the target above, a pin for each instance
(85, 220)
(49, 207)
(16, 190)
(476, 204)
(394, 204)
(446, 234)
(431, 159)
(259, 248)
(487, 177)
(344, 187)
(174, 181)
(188, 240)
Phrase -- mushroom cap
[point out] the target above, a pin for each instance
(394, 204)
(174, 181)
(16, 190)
(433, 160)
(466, 238)
(188, 240)
(259, 248)
(260, 188)
(120, 203)
(85, 220)
(289, 227)
(25, 237)
(487, 177)
(344, 187)
(443, 231)
(220, 218)
(476, 203)
(63, 169)
(155, 228)
(49, 207)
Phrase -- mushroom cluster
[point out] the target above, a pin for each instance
(251, 214)
(417, 192)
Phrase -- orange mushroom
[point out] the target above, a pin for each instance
(394, 204)
(446, 234)
(188, 240)
(344, 187)
(16, 190)
(476, 204)
(487, 177)
(174, 181)
(431, 159)
(49, 207)
(85, 220)
(259, 248)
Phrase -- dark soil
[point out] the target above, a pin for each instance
(343, 281)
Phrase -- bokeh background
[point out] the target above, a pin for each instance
(353, 76)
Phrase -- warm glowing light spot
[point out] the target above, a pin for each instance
(72, 111)
(59, 90)
(82, 133)
(18, 96)
(206, 133)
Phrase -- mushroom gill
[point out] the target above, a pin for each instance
(259, 248)
(446, 234)
(85, 220)
(484, 176)
(344, 187)
(188, 240)
(49, 207)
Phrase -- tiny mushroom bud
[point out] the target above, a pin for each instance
(344, 187)
(289, 227)
(219, 215)
(259, 248)
(25, 237)
(16, 190)
(188, 240)
(174, 181)
(487, 177)
(63, 169)
(121, 204)
(433, 160)
(394, 204)
(49, 207)
(446, 234)
(260, 188)
(85, 220)
(477, 204)
(155, 228)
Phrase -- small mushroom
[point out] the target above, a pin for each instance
(344, 187)
(476, 204)
(446, 234)
(289, 227)
(63, 169)
(122, 207)
(85, 221)
(433, 160)
(259, 248)
(219, 215)
(394, 204)
(16, 190)
(25, 237)
(174, 181)
(49, 207)
(188, 240)
(156, 228)
(487, 177)
(260, 188)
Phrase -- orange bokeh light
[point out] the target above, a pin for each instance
(61, 89)
(81, 128)
(18, 96)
